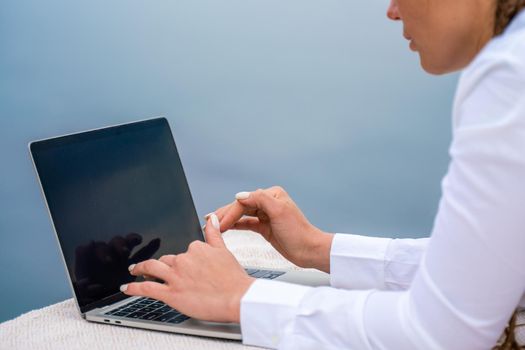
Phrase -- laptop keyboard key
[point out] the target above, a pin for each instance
(150, 316)
(260, 273)
(251, 271)
(132, 308)
(137, 314)
(148, 309)
(167, 316)
(165, 309)
(120, 313)
(272, 275)
(179, 319)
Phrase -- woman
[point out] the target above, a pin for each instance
(456, 290)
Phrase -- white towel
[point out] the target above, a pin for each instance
(60, 326)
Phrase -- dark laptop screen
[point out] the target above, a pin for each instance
(117, 196)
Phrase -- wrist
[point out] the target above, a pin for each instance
(319, 252)
(235, 302)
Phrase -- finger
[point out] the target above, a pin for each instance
(213, 232)
(267, 201)
(168, 259)
(236, 211)
(149, 289)
(277, 192)
(146, 252)
(248, 223)
(219, 211)
(253, 224)
(152, 268)
(235, 206)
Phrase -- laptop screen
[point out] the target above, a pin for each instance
(116, 196)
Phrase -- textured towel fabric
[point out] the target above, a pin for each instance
(60, 326)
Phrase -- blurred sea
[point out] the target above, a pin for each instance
(323, 98)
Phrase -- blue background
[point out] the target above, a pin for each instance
(321, 97)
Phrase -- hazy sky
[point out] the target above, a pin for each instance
(321, 97)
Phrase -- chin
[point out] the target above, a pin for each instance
(439, 67)
(435, 69)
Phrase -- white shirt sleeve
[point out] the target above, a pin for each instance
(471, 276)
(361, 262)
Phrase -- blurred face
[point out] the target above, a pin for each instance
(447, 34)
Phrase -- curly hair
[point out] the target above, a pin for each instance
(508, 339)
(505, 12)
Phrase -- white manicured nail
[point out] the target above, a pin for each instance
(207, 215)
(215, 221)
(131, 267)
(242, 195)
(123, 287)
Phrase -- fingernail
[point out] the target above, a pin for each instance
(242, 195)
(215, 221)
(131, 267)
(207, 215)
(123, 287)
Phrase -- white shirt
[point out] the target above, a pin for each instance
(455, 290)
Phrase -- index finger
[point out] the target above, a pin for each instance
(233, 213)
(148, 289)
(219, 212)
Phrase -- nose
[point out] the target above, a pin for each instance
(393, 12)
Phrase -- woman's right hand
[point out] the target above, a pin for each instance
(274, 215)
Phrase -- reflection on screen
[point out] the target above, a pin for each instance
(117, 196)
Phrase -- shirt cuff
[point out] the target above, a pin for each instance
(268, 311)
(358, 262)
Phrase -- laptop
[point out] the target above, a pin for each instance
(117, 196)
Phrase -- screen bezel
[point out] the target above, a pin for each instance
(62, 140)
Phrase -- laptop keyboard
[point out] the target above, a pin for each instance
(148, 309)
(266, 274)
(154, 310)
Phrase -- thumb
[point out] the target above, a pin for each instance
(213, 232)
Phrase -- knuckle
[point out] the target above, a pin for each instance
(146, 288)
(147, 266)
(182, 258)
(194, 245)
(166, 259)
(279, 190)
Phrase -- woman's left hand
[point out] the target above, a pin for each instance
(206, 282)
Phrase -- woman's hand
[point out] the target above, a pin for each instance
(206, 282)
(274, 215)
